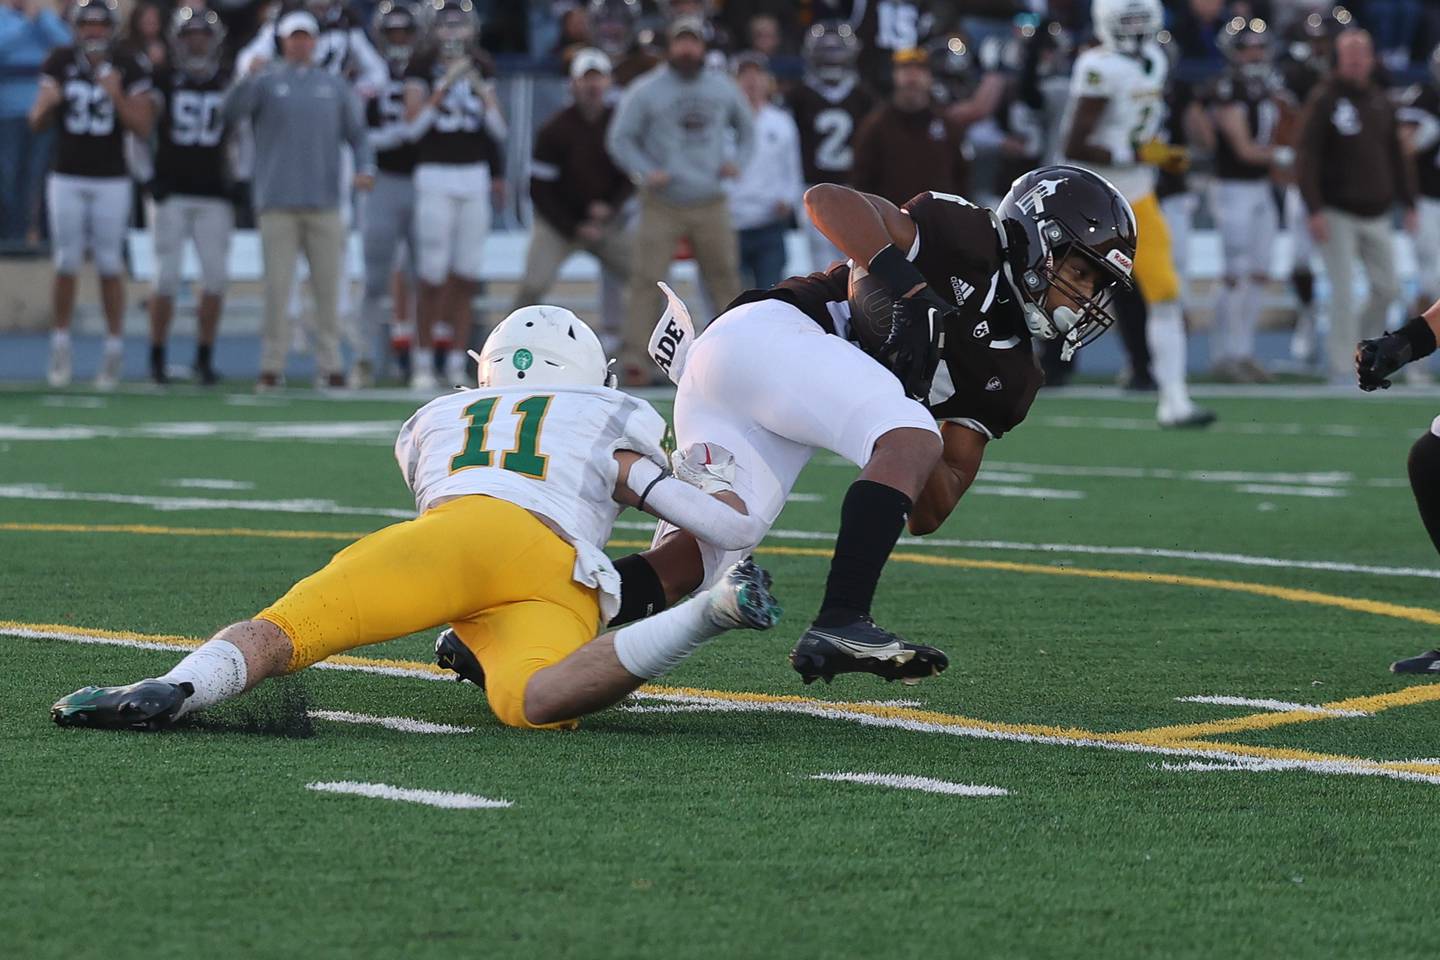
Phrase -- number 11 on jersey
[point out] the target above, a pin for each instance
(524, 456)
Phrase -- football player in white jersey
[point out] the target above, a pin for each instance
(518, 484)
(1116, 110)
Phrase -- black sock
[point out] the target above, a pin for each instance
(203, 354)
(871, 519)
(641, 592)
(157, 358)
(1131, 314)
(1425, 482)
(1304, 282)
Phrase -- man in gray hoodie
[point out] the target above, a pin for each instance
(301, 113)
(680, 132)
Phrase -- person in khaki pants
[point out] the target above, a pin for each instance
(1353, 171)
(680, 132)
(301, 113)
(576, 189)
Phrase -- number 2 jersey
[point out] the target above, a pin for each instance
(549, 450)
(90, 140)
(190, 134)
(987, 377)
(827, 117)
(1134, 86)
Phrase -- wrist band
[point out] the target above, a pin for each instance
(643, 476)
(897, 273)
(1420, 337)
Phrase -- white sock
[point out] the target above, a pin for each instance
(59, 339)
(1252, 293)
(114, 344)
(217, 672)
(656, 645)
(1165, 331)
(1222, 335)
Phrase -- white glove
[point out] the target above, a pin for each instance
(708, 467)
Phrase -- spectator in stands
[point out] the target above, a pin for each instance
(29, 30)
(574, 32)
(679, 132)
(300, 113)
(1196, 25)
(764, 33)
(576, 188)
(1352, 173)
(905, 147)
(764, 199)
(144, 34)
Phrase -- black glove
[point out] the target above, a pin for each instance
(1376, 360)
(917, 337)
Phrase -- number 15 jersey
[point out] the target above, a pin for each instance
(1134, 88)
(549, 450)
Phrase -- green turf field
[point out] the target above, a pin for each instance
(1276, 558)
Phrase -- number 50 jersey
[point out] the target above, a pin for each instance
(549, 450)
(190, 134)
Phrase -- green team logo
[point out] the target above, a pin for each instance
(523, 359)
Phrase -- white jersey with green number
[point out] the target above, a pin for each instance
(1134, 88)
(549, 450)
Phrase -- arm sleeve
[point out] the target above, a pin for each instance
(262, 46)
(373, 72)
(545, 181)
(698, 513)
(241, 101)
(1312, 138)
(354, 131)
(624, 137)
(743, 122)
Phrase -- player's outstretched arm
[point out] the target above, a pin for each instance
(952, 476)
(1376, 360)
(642, 484)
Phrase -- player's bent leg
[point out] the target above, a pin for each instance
(609, 668)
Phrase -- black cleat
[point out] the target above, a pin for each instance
(452, 654)
(1196, 419)
(862, 647)
(1427, 662)
(147, 705)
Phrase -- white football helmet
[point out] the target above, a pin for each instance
(1126, 25)
(543, 346)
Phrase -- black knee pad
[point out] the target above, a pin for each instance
(1424, 467)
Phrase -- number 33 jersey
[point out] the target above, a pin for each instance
(549, 450)
(1134, 88)
(91, 141)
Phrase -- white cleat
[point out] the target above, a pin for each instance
(741, 599)
(60, 371)
(108, 376)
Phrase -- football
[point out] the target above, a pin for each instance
(871, 307)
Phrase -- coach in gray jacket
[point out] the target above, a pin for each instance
(301, 113)
(679, 131)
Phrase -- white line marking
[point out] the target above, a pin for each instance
(210, 483)
(1248, 766)
(1322, 478)
(1249, 429)
(375, 432)
(805, 498)
(908, 782)
(45, 492)
(403, 724)
(80, 400)
(684, 703)
(1036, 493)
(1278, 490)
(999, 476)
(1280, 706)
(430, 798)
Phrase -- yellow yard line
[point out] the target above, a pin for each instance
(920, 718)
(144, 529)
(1422, 693)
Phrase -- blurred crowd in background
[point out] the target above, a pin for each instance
(560, 126)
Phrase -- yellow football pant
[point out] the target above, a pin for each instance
(1154, 264)
(490, 569)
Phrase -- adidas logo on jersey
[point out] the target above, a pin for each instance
(961, 289)
(982, 330)
(993, 384)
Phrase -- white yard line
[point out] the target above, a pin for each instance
(1280, 706)
(403, 724)
(46, 492)
(209, 483)
(1243, 766)
(908, 782)
(1280, 490)
(430, 798)
(1033, 493)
